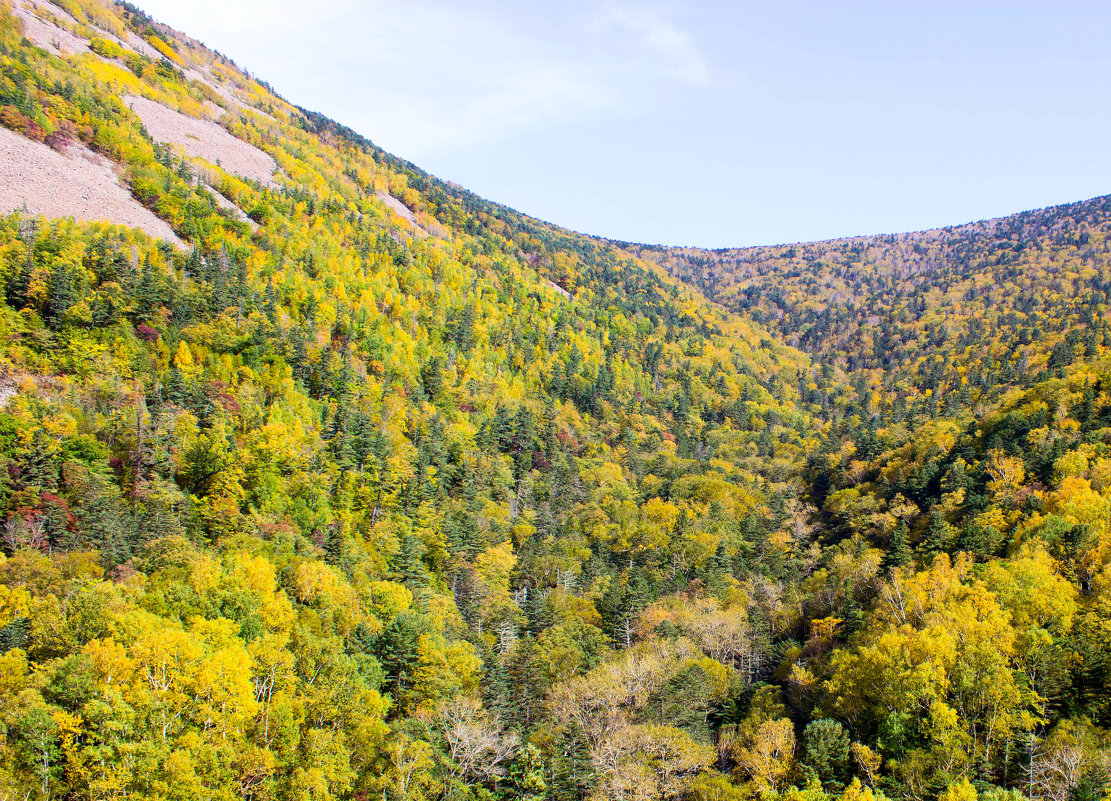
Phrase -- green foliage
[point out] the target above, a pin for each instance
(826, 751)
(476, 507)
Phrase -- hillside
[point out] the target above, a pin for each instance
(324, 478)
(1015, 299)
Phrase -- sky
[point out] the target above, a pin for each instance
(705, 123)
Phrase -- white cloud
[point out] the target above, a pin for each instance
(679, 56)
(436, 78)
(428, 77)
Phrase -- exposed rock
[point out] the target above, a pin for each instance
(204, 139)
(77, 183)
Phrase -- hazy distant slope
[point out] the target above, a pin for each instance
(960, 312)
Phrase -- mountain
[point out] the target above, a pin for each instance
(324, 478)
(1017, 298)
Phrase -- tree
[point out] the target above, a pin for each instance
(525, 780)
(898, 552)
(572, 766)
(526, 684)
(650, 762)
(477, 745)
(826, 750)
(768, 756)
(938, 536)
(63, 295)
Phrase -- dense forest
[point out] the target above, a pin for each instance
(360, 486)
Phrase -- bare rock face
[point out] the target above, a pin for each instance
(40, 27)
(402, 211)
(204, 139)
(77, 183)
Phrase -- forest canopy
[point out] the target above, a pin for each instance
(360, 486)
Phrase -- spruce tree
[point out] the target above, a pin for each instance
(408, 564)
(526, 775)
(898, 550)
(572, 770)
(826, 751)
(40, 469)
(63, 296)
(495, 686)
(527, 685)
(104, 521)
(938, 536)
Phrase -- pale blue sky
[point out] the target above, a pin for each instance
(705, 123)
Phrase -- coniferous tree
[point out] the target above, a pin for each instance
(104, 521)
(526, 684)
(898, 550)
(409, 565)
(937, 537)
(572, 771)
(525, 780)
(63, 295)
(826, 750)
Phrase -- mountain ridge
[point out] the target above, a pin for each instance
(341, 500)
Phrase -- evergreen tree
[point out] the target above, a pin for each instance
(572, 771)
(496, 696)
(527, 685)
(104, 521)
(396, 652)
(826, 751)
(148, 294)
(938, 536)
(538, 615)
(63, 295)
(40, 470)
(898, 549)
(432, 377)
(408, 564)
(526, 776)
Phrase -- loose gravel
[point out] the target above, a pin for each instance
(77, 183)
(39, 28)
(204, 139)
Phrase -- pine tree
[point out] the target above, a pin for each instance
(408, 563)
(938, 536)
(538, 615)
(103, 519)
(396, 652)
(527, 685)
(682, 702)
(63, 296)
(572, 769)
(40, 470)
(898, 549)
(19, 283)
(20, 280)
(432, 377)
(612, 608)
(174, 389)
(160, 512)
(495, 686)
(148, 293)
(526, 775)
(335, 545)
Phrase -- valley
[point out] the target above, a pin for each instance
(325, 478)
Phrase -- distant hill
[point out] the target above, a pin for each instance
(322, 478)
(1013, 298)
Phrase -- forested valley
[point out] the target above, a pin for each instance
(359, 486)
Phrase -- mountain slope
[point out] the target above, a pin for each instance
(1011, 297)
(286, 493)
(964, 373)
(352, 484)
